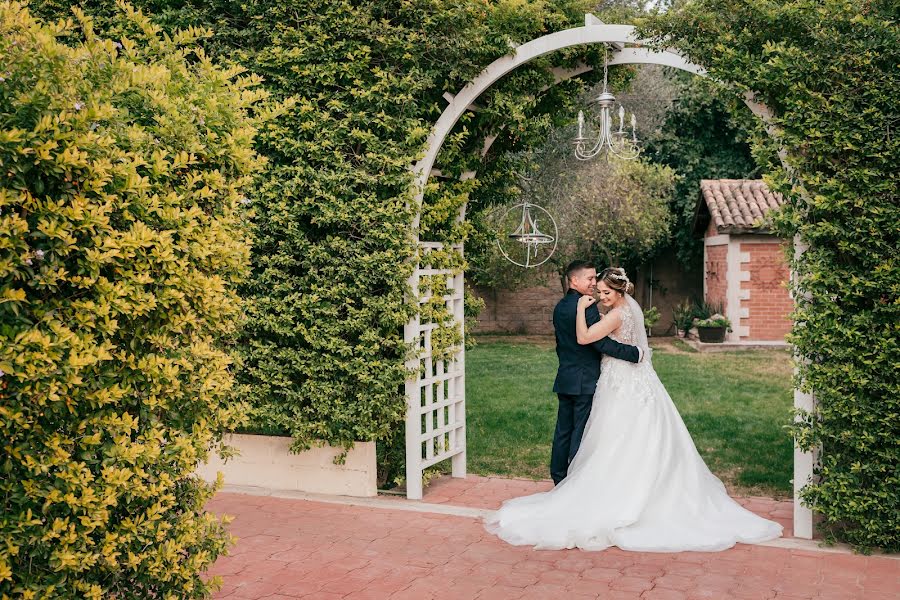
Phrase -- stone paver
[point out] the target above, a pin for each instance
(303, 549)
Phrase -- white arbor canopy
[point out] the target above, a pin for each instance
(435, 391)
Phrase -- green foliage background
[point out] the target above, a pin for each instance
(706, 135)
(322, 349)
(828, 71)
(122, 240)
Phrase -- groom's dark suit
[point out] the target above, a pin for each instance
(576, 379)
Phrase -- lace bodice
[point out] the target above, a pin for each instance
(625, 332)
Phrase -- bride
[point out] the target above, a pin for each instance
(637, 481)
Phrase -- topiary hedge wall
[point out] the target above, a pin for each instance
(322, 354)
(828, 70)
(322, 347)
(122, 239)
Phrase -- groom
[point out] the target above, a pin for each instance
(579, 366)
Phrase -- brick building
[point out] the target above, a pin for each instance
(744, 265)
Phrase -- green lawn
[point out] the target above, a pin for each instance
(735, 405)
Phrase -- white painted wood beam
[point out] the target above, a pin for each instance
(804, 462)
(592, 21)
(563, 73)
(449, 98)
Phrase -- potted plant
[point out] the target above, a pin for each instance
(651, 318)
(712, 330)
(683, 317)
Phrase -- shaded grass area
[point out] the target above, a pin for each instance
(735, 404)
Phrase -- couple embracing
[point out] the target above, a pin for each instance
(626, 470)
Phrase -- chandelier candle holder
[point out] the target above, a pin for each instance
(527, 246)
(609, 141)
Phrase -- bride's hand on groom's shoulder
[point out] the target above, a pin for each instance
(586, 301)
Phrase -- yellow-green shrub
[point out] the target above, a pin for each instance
(121, 239)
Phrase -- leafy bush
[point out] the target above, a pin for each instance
(121, 242)
(651, 317)
(828, 71)
(322, 351)
(704, 309)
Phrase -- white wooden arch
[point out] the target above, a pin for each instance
(435, 392)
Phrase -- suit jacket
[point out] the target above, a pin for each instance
(579, 366)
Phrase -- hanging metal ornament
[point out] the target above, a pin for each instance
(528, 246)
(609, 141)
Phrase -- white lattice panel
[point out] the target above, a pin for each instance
(435, 391)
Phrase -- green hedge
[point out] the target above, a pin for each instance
(322, 353)
(322, 348)
(121, 244)
(828, 70)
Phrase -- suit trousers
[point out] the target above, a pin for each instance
(571, 418)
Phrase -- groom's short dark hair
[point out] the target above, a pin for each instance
(575, 266)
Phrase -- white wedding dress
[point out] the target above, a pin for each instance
(637, 481)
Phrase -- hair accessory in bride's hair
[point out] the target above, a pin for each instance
(618, 274)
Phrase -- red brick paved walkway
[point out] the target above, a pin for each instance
(303, 549)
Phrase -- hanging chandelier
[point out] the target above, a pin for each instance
(609, 141)
(531, 247)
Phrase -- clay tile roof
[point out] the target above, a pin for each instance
(735, 205)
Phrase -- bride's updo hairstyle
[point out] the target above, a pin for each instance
(616, 279)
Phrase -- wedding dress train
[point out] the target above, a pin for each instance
(637, 481)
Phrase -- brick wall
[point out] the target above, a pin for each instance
(716, 272)
(769, 303)
(528, 310)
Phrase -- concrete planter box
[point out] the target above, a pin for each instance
(265, 462)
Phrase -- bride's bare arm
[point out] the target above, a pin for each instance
(597, 331)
